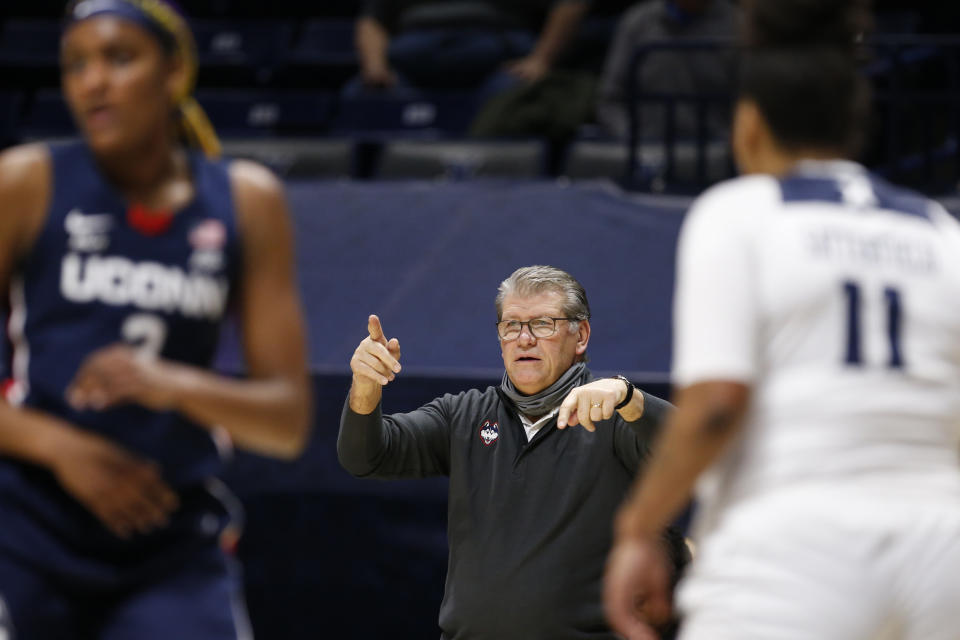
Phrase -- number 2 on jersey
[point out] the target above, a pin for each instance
(894, 325)
(146, 332)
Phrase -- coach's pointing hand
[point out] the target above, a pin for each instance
(374, 364)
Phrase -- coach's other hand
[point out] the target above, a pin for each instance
(598, 401)
(374, 364)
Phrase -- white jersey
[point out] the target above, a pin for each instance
(836, 297)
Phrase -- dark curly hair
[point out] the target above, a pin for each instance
(800, 66)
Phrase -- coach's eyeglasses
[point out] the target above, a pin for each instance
(539, 327)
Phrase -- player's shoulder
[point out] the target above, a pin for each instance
(25, 168)
(946, 223)
(736, 201)
(252, 179)
(25, 185)
(258, 196)
(898, 199)
(757, 186)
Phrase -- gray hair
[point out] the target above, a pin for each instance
(532, 280)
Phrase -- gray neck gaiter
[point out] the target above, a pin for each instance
(543, 402)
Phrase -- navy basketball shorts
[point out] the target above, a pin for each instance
(201, 599)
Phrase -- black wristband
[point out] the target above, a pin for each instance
(627, 398)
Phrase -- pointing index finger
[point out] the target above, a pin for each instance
(376, 330)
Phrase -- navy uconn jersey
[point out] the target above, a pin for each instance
(836, 296)
(92, 280)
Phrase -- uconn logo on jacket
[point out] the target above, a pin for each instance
(489, 432)
(117, 280)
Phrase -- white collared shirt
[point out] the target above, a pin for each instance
(533, 427)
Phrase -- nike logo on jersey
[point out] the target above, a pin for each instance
(150, 286)
(88, 232)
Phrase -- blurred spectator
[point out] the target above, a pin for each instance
(461, 43)
(669, 70)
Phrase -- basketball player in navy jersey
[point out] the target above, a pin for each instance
(817, 359)
(121, 254)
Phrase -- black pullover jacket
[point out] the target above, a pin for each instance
(529, 523)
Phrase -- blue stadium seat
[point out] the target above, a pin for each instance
(249, 113)
(260, 9)
(462, 159)
(236, 113)
(11, 102)
(246, 43)
(322, 57)
(893, 21)
(47, 116)
(595, 159)
(325, 41)
(30, 42)
(302, 158)
(605, 159)
(437, 113)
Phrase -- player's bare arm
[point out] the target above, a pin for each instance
(707, 419)
(25, 176)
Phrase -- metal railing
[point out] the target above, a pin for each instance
(915, 133)
(665, 176)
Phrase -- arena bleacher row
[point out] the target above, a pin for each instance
(271, 87)
(271, 84)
